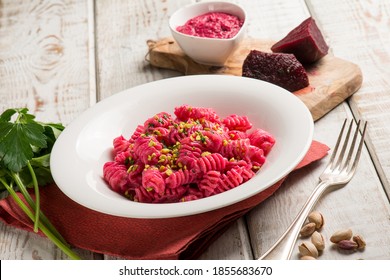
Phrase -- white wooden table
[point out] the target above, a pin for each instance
(60, 57)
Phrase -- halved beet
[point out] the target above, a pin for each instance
(305, 41)
(281, 69)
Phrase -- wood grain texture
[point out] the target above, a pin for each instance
(46, 60)
(361, 205)
(359, 31)
(122, 28)
(43, 66)
(332, 80)
(234, 244)
(16, 244)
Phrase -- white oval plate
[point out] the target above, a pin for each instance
(84, 146)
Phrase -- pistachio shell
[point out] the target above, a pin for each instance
(344, 234)
(359, 241)
(308, 249)
(318, 240)
(317, 218)
(308, 229)
(308, 258)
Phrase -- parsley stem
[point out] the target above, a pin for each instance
(37, 196)
(31, 203)
(44, 229)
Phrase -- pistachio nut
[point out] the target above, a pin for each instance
(308, 229)
(317, 218)
(359, 241)
(308, 249)
(348, 245)
(308, 258)
(318, 240)
(344, 234)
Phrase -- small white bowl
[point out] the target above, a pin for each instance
(209, 51)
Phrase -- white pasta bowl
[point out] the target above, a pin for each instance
(208, 51)
(86, 144)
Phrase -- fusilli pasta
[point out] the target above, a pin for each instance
(191, 155)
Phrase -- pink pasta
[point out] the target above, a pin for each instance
(159, 120)
(210, 181)
(210, 162)
(179, 178)
(116, 176)
(240, 123)
(186, 156)
(262, 139)
(186, 113)
(120, 144)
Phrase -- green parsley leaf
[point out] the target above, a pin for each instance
(25, 147)
(17, 140)
(7, 114)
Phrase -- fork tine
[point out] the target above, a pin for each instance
(344, 159)
(342, 152)
(352, 147)
(332, 157)
(359, 150)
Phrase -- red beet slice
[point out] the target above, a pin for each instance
(305, 42)
(281, 69)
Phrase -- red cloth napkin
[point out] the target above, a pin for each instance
(173, 238)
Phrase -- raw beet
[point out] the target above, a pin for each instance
(281, 69)
(305, 42)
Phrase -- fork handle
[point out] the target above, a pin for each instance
(283, 248)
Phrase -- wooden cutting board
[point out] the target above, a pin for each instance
(332, 79)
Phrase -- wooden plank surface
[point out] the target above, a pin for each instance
(44, 58)
(47, 62)
(371, 208)
(350, 207)
(44, 66)
(122, 28)
(359, 31)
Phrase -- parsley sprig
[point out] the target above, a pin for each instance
(25, 147)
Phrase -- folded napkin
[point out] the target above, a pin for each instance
(171, 238)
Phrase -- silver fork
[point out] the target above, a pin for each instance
(339, 171)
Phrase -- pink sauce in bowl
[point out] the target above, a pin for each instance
(208, 32)
(212, 25)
